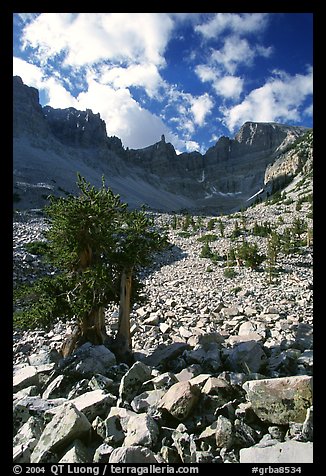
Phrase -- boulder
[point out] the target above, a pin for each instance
(92, 404)
(133, 454)
(76, 453)
(180, 399)
(113, 425)
(147, 400)
(142, 430)
(103, 453)
(280, 400)
(25, 377)
(88, 360)
(32, 406)
(100, 382)
(56, 387)
(184, 443)
(26, 439)
(208, 356)
(161, 356)
(132, 381)
(247, 357)
(66, 426)
(224, 433)
(165, 380)
(44, 357)
(288, 452)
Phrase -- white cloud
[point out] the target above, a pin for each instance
(206, 72)
(281, 98)
(201, 106)
(87, 38)
(242, 23)
(235, 51)
(124, 117)
(139, 75)
(229, 87)
(192, 146)
(32, 75)
(59, 97)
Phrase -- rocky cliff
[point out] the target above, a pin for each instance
(53, 144)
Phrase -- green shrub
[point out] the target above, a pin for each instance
(37, 247)
(205, 252)
(229, 273)
(207, 238)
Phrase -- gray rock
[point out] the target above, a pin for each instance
(147, 400)
(224, 436)
(280, 400)
(170, 455)
(180, 400)
(25, 377)
(44, 357)
(56, 387)
(102, 453)
(308, 425)
(208, 356)
(133, 454)
(94, 403)
(32, 391)
(26, 439)
(132, 381)
(288, 452)
(142, 430)
(165, 380)
(76, 453)
(244, 434)
(69, 424)
(184, 443)
(189, 373)
(161, 356)
(114, 425)
(89, 360)
(32, 406)
(100, 382)
(247, 357)
(209, 431)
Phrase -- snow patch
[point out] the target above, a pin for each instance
(257, 193)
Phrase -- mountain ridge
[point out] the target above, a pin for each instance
(53, 144)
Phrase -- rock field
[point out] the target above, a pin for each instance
(223, 366)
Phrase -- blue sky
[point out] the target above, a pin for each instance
(191, 76)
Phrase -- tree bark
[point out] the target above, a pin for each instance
(90, 329)
(123, 334)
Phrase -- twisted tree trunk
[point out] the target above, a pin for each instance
(91, 327)
(123, 343)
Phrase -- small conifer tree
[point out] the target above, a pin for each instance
(97, 246)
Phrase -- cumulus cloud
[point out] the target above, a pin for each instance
(87, 38)
(229, 87)
(201, 106)
(124, 117)
(281, 98)
(235, 52)
(242, 23)
(32, 75)
(146, 76)
(58, 96)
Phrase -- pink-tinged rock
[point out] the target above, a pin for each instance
(180, 399)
